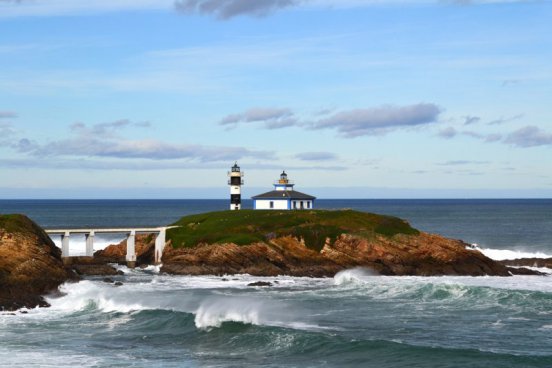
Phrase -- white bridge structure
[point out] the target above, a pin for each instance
(131, 240)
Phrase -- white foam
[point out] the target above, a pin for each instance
(42, 358)
(354, 275)
(103, 296)
(503, 254)
(214, 311)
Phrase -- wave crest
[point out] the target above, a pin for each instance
(213, 312)
(504, 254)
(353, 276)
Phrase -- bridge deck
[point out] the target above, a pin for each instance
(108, 230)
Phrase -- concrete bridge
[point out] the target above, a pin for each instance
(131, 238)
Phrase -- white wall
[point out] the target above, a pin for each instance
(264, 204)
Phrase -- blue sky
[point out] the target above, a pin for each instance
(158, 98)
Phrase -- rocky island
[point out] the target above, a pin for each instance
(314, 243)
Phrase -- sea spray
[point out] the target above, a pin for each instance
(99, 295)
(503, 254)
(214, 311)
(354, 275)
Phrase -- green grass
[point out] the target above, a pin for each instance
(250, 226)
(16, 224)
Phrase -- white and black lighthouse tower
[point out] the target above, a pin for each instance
(235, 183)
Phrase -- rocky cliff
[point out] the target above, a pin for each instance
(423, 254)
(30, 264)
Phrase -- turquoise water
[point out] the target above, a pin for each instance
(352, 320)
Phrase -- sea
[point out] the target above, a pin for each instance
(355, 319)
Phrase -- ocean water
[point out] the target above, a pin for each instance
(356, 319)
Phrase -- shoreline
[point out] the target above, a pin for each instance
(313, 247)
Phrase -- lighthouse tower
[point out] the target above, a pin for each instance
(235, 183)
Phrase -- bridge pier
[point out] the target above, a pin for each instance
(131, 250)
(90, 244)
(89, 235)
(65, 244)
(160, 245)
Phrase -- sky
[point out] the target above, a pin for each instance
(353, 98)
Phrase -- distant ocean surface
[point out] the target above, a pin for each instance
(352, 320)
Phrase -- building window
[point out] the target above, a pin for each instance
(302, 206)
(271, 204)
(308, 204)
(294, 205)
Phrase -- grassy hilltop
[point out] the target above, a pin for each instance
(251, 226)
(17, 224)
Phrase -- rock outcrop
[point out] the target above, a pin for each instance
(30, 264)
(116, 253)
(529, 262)
(282, 256)
(423, 254)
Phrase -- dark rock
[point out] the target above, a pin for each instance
(95, 269)
(528, 262)
(118, 283)
(116, 253)
(525, 271)
(224, 279)
(108, 280)
(260, 283)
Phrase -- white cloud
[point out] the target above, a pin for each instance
(529, 136)
(226, 9)
(447, 133)
(102, 140)
(380, 120)
(350, 123)
(316, 156)
(7, 115)
(25, 8)
(272, 118)
(222, 9)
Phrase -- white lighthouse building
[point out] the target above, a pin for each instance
(283, 197)
(235, 183)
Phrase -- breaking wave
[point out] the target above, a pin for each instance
(504, 254)
(353, 276)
